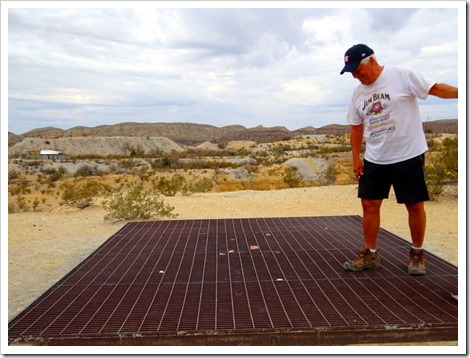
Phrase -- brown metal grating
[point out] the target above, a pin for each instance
(243, 281)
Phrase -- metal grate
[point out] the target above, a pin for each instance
(243, 281)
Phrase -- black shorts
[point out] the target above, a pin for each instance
(407, 179)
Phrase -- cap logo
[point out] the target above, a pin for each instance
(363, 54)
(346, 58)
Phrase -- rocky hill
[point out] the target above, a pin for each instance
(193, 134)
(92, 146)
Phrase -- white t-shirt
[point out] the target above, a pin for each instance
(389, 110)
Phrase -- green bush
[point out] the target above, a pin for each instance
(22, 204)
(11, 208)
(201, 186)
(169, 187)
(54, 174)
(20, 188)
(136, 204)
(291, 177)
(442, 167)
(13, 174)
(329, 175)
(86, 171)
(36, 203)
(79, 194)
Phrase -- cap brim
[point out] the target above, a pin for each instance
(350, 67)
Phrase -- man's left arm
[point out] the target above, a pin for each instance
(443, 90)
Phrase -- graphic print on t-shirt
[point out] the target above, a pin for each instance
(377, 110)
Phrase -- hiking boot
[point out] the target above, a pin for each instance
(365, 261)
(416, 265)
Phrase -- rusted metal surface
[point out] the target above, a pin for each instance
(261, 281)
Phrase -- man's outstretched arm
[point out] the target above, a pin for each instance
(443, 90)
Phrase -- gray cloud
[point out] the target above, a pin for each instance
(389, 20)
(70, 67)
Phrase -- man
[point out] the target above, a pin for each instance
(384, 110)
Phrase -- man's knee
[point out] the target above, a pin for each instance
(369, 205)
(415, 208)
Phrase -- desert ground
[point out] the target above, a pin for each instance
(45, 246)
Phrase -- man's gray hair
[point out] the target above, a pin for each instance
(366, 60)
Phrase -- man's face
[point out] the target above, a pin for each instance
(364, 73)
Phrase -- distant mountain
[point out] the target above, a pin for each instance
(193, 134)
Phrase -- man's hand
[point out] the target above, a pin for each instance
(358, 168)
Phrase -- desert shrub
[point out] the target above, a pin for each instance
(169, 187)
(11, 208)
(167, 161)
(442, 167)
(329, 175)
(291, 177)
(202, 185)
(156, 164)
(278, 151)
(136, 204)
(80, 194)
(22, 204)
(134, 151)
(54, 174)
(324, 151)
(20, 188)
(431, 143)
(86, 171)
(36, 204)
(143, 174)
(13, 174)
(127, 164)
(451, 158)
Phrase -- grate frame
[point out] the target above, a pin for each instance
(260, 281)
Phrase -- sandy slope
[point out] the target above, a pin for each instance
(43, 247)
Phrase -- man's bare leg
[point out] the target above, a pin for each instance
(368, 257)
(371, 222)
(417, 223)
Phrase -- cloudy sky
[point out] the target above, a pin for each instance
(91, 66)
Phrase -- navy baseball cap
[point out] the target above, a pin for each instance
(354, 56)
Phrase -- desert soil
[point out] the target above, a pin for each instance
(45, 246)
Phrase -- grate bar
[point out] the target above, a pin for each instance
(257, 271)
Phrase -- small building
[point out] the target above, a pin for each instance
(50, 154)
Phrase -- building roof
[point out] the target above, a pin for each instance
(50, 152)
